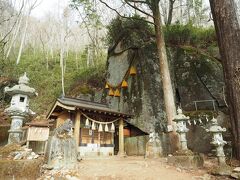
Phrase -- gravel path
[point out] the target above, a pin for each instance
(129, 168)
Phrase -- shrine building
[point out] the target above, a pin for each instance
(98, 130)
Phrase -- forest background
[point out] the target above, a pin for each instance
(64, 50)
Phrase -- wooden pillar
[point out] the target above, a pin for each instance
(121, 138)
(77, 127)
(27, 144)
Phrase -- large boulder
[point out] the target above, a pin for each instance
(194, 78)
(198, 79)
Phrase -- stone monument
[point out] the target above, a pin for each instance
(153, 146)
(62, 148)
(19, 109)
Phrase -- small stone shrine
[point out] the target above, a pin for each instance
(19, 110)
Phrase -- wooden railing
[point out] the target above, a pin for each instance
(213, 102)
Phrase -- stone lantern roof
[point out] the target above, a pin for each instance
(180, 116)
(21, 88)
(215, 128)
(23, 79)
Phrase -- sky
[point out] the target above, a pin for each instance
(47, 6)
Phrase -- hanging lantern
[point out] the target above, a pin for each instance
(124, 84)
(117, 93)
(106, 86)
(112, 128)
(87, 123)
(111, 93)
(106, 128)
(93, 126)
(133, 70)
(100, 129)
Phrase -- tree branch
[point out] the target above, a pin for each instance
(5, 36)
(134, 7)
(124, 16)
(86, 25)
(136, 1)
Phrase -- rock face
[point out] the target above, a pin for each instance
(197, 79)
(144, 95)
(194, 79)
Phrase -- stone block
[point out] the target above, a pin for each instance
(223, 170)
(187, 161)
(153, 150)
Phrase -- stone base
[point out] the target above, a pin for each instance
(153, 150)
(187, 161)
(224, 170)
(235, 175)
(181, 152)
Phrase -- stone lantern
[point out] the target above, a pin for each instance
(19, 108)
(184, 157)
(181, 128)
(217, 140)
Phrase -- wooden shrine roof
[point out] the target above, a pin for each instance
(73, 104)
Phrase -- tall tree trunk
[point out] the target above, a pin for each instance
(189, 7)
(62, 52)
(181, 11)
(228, 33)
(76, 59)
(62, 69)
(164, 69)
(13, 39)
(25, 31)
(165, 74)
(22, 40)
(170, 12)
(47, 60)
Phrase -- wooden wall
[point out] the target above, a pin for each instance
(61, 118)
(97, 137)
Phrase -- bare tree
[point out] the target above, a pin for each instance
(9, 20)
(16, 29)
(64, 35)
(31, 7)
(90, 19)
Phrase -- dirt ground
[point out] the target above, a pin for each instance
(129, 168)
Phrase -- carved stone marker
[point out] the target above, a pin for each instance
(153, 146)
(62, 148)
